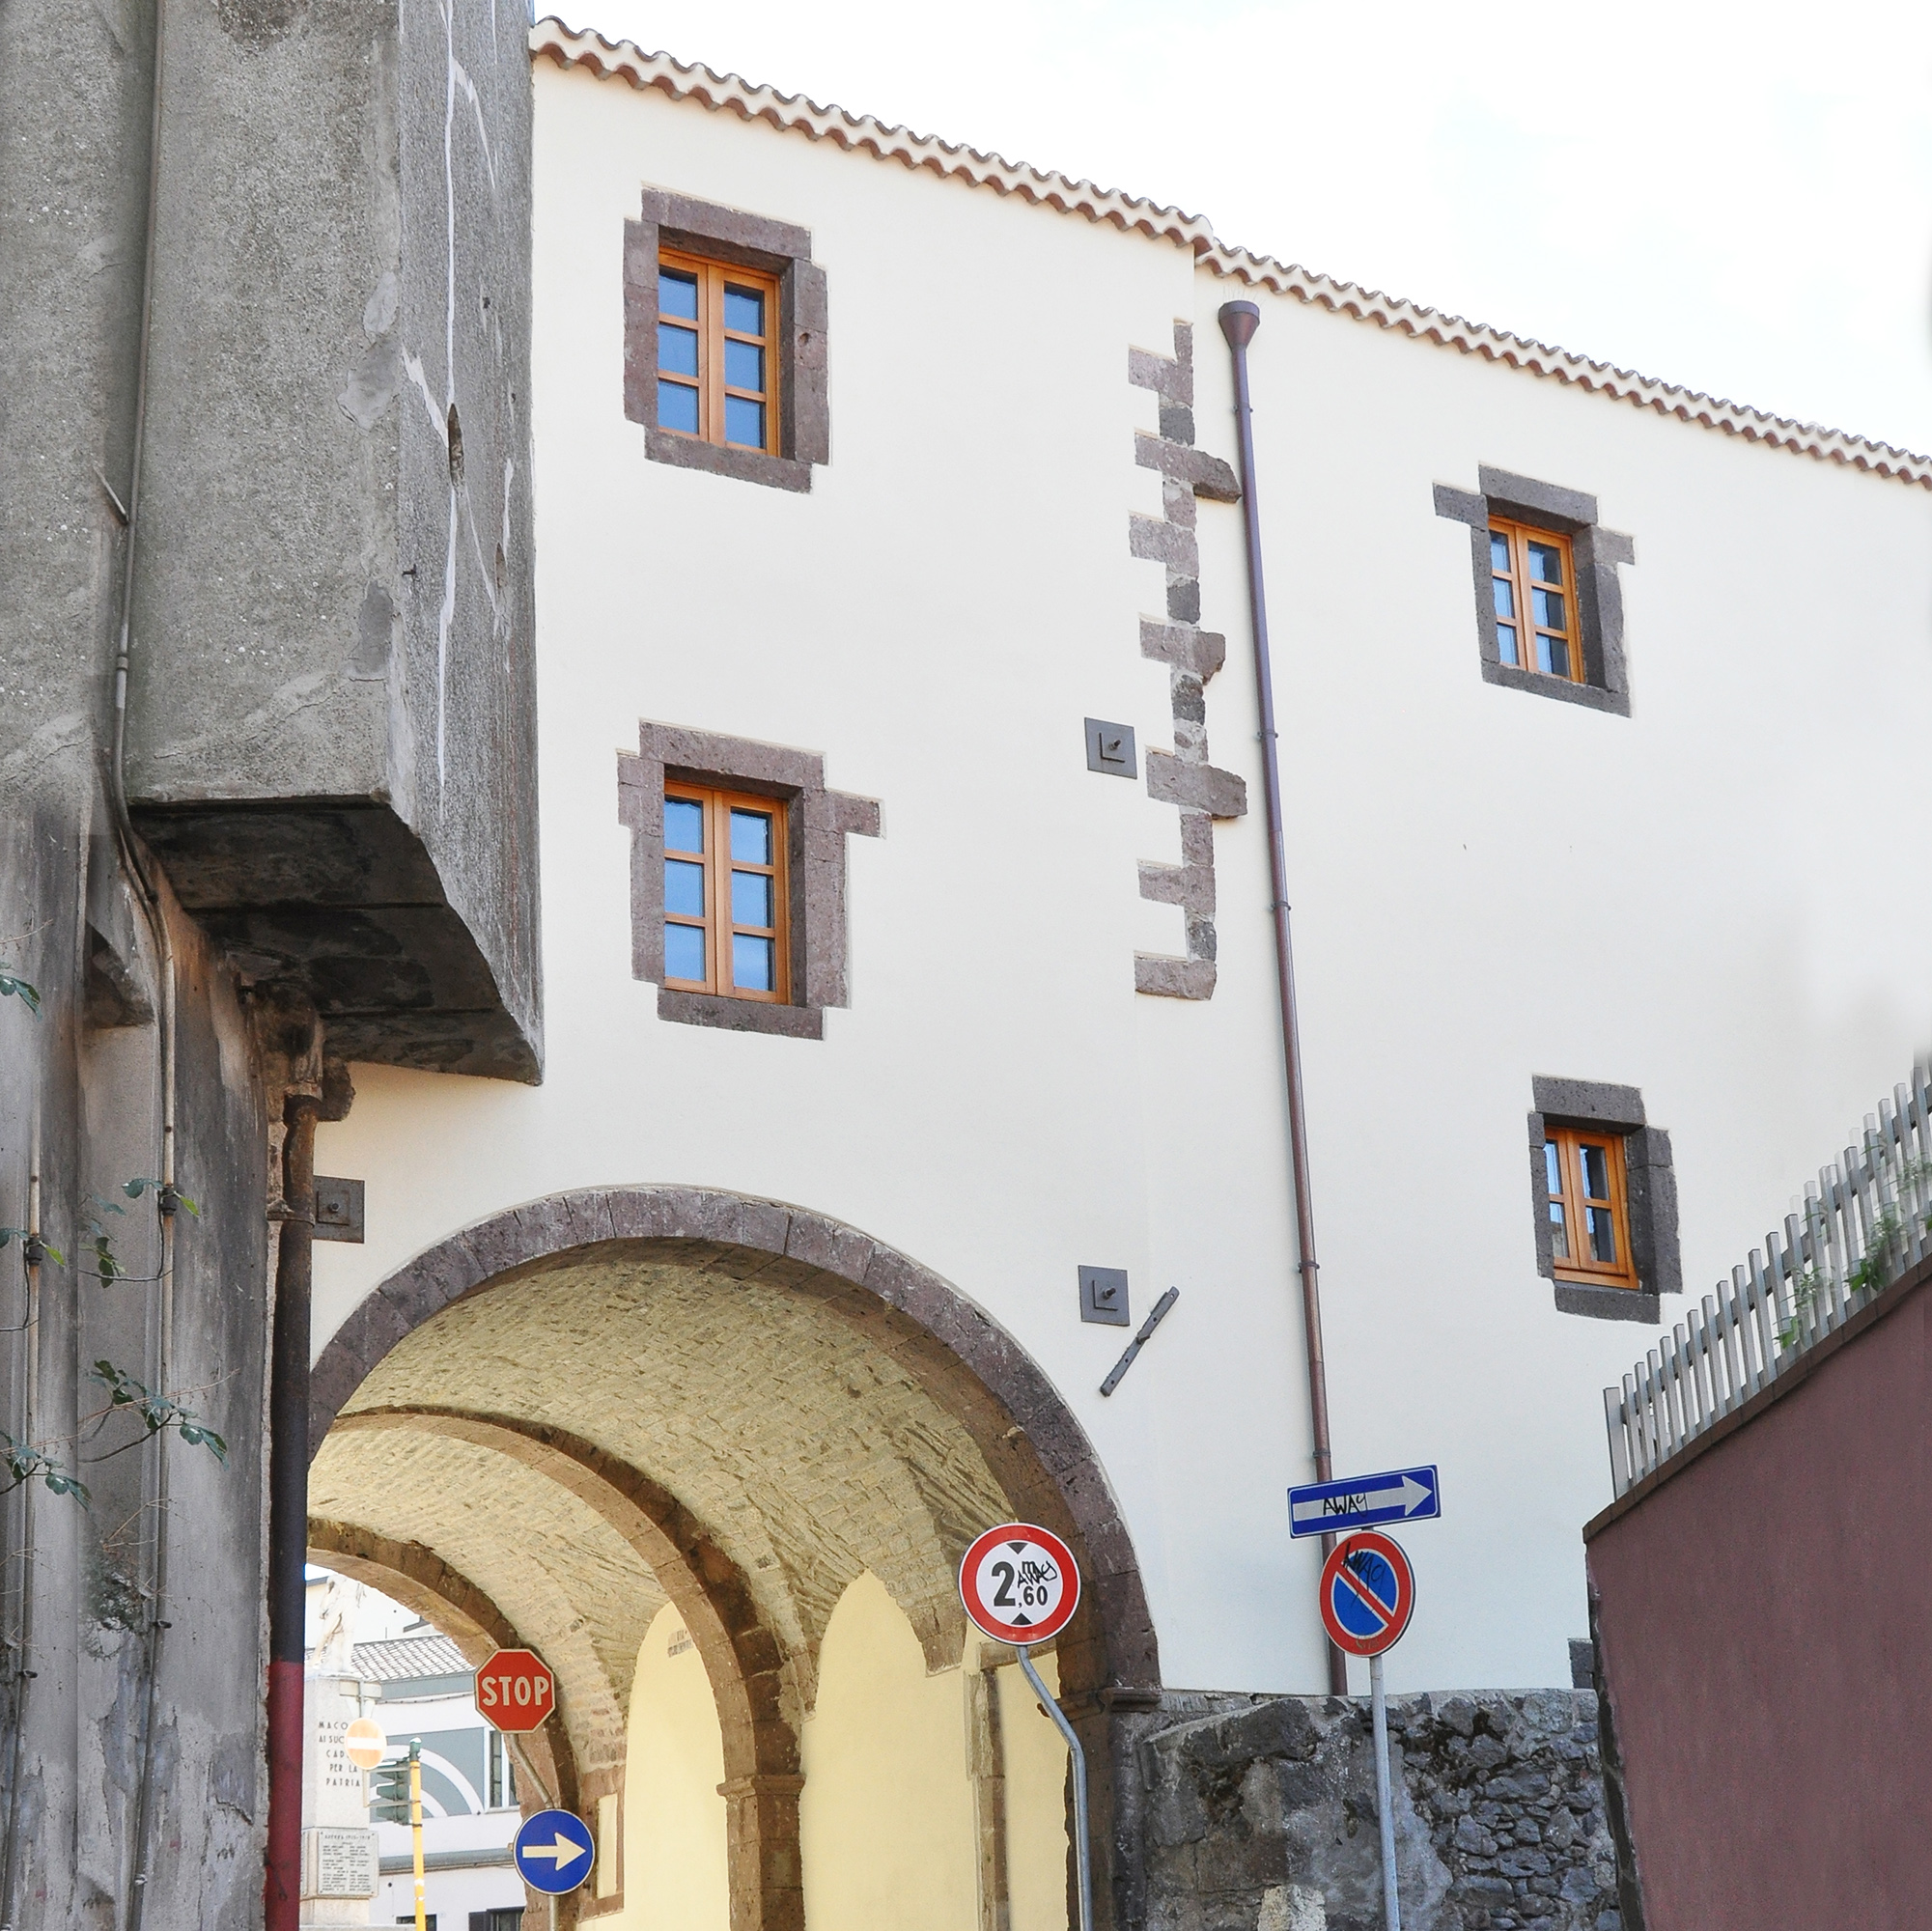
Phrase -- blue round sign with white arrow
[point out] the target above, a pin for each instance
(554, 1852)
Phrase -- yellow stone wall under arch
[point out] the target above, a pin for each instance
(894, 1816)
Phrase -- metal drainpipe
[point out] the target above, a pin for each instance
(156, 918)
(23, 1673)
(1238, 320)
(288, 1510)
(164, 1355)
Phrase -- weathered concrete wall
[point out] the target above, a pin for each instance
(1761, 1613)
(1260, 1814)
(72, 174)
(80, 1099)
(333, 691)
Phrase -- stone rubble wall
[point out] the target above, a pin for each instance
(1261, 1815)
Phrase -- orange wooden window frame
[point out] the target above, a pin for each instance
(1519, 537)
(713, 278)
(718, 924)
(1579, 1266)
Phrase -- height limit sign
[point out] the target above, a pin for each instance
(1019, 1583)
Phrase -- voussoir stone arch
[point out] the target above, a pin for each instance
(972, 1367)
(742, 1654)
(648, 1350)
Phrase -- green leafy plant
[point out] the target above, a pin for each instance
(37, 1250)
(107, 1267)
(26, 1463)
(157, 1411)
(167, 1196)
(12, 986)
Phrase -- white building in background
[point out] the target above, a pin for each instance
(373, 1657)
(908, 953)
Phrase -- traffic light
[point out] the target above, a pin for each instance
(390, 1792)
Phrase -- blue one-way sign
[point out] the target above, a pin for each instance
(1400, 1495)
(554, 1852)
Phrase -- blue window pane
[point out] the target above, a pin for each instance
(677, 407)
(684, 887)
(744, 311)
(743, 366)
(751, 837)
(1552, 654)
(1498, 551)
(1560, 1232)
(1548, 607)
(1546, 564)
(684, 824)
(751, 898)
(1505, 596)
(677, 350)
(1505, 645)
(743, 423)
(1602, 1234)
(752, 964)
(678, 294)
(1595, 1162)
(1553, 1168)
(683, 952)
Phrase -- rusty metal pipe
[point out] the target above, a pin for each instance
(288, 1510)
(1238, 320)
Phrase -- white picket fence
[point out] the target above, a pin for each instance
(1868, 1220)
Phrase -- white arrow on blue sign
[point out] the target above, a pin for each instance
(1364, 1501)
(554, 1852)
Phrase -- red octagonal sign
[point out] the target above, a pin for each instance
(514, 1690)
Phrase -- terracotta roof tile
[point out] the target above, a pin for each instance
(1132, 213)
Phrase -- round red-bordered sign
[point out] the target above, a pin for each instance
(1368, 1593)
(1019, 1583)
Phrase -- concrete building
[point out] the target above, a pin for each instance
(855, 814)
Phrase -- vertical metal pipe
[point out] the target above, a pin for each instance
(23, 1669)
(162, 1370)
(1385, 1809)
(1083, 1841)
(288, 1510)
(1238, 320)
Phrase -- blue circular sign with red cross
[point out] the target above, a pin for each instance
(1368, 1591)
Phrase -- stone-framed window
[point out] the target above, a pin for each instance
(773, 249)
(817, 824)
(1524, 502)
(1650, 1195)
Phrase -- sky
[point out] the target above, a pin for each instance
(1736, 198)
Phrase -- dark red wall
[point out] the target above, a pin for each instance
(1766, 1627)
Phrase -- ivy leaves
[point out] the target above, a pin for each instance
(12, 986)
(25, 1464)
(157, 1411)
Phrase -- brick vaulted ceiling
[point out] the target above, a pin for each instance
(803, 1452)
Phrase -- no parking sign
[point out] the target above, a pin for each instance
(1368, 1593)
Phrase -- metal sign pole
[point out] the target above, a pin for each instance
(1082, 1854)
(1391, 1904)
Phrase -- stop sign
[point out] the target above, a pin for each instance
(515, 1691)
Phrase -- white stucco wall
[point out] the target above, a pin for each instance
(937, 616)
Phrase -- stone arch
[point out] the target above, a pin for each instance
(936, 1340)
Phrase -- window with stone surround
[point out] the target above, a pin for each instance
(725, 340)
(723, 829)
(1534, 632)
(1605, 1197)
